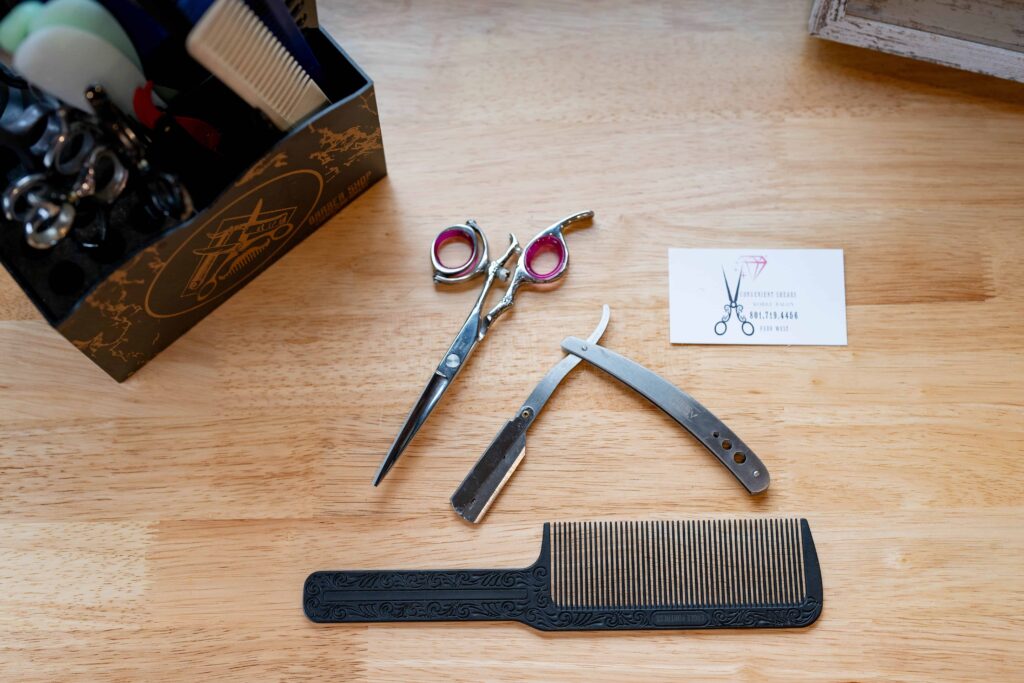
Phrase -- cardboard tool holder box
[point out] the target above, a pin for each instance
(123, 304)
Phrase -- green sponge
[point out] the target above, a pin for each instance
(15, 26)
(85, 15)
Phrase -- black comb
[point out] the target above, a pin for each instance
(754, 573)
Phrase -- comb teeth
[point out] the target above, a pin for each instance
(688, 564)
(236, 47)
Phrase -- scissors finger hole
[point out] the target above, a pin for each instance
(73, 150)
(48, 224)
(104, 177)
(455, 251)
(21, 198)
(545, 258)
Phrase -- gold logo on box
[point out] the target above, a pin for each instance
(234, 244)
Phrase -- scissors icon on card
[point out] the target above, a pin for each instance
(527, 271)
(722, 325)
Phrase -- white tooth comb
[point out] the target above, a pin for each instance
(236, 47)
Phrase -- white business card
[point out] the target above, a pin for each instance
(757, 296)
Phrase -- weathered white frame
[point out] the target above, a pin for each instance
(829, 20)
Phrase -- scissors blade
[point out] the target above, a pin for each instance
(451, 364)
(481, 486)
(432, 393)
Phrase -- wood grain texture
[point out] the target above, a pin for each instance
(161, 529)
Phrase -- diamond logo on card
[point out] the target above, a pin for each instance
(732, 296)
(751, 266)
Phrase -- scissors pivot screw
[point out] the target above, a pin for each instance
(452, 360)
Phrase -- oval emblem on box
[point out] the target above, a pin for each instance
(235, 244)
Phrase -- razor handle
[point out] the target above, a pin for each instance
(710, 431)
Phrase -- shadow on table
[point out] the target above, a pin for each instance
(914, 71)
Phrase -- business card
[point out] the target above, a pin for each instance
(757, 296)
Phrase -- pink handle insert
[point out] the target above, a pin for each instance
(460, 234)
(545, 245)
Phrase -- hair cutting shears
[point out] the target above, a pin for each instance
(74, 165)
(548, 241)
(722, 325)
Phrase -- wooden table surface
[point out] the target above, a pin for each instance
(161, 529)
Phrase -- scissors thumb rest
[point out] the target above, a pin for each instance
(710, 431)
